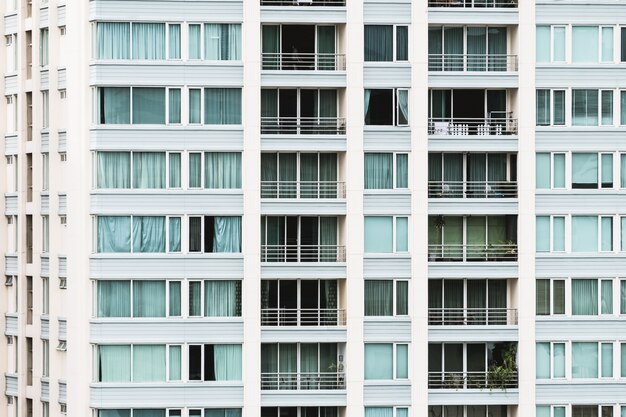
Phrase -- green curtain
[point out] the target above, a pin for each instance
(622, 297)
(113, 169)
(148, 40)
(112, 40)
(378, 170)
(606, 297)
(623, 363)
(222, 41)
(227, 362)
(174, 41)
(174, 231)
(402, 298)
(222, 106)
(114, 105)
(222, 412)
(379, 412)
(453, 237)
(542, 305)
(328, 175)
(543, 108)
(175, 299)
(222, 170)
(287, 364)
(328, 110)
(543, 361)
(148, 234)
(379, 297)
(195, 170)
(113, 298)
(402, 43)
(477, 299)
(402, 361)
(113, 413)
(584, 297)
(148, 298)
(476, 48)
(497, 298)
(378, 361)
(403, 412)
(195, 297)
(309, 175)
(453, 295)
(148, 105)
(174, 106)
(270, 46)
(222, 298)
(287, 174)
(269, 175)
(435, 48)
(453, 48)
(402, 170)
(378, 43)
(497, 38)
(476, 239)
(195, 42)
(175, 357)
(453, 174)
(148, 363)
(328, 239)
(542, 236)
(148, 169)
(227, 234)
(558, 354)
(585, 107)
(114, 363)
(113, 234)
(326, 48)
(195, 106)
(585, 41)
(309, 365)
(152, 412)
(175, 168)
(584, 233)
(607, 108)
(584, 360)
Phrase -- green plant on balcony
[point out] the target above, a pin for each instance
(503, 375)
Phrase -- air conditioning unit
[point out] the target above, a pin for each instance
(62, 346)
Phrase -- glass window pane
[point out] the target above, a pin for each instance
(542, 177)
(559, 170)
(114, 105)
(584, 234)
(584, 360)
(585, 44)
(543, 107)
(175, 299)
(606, 296)
(114, 363)
(222, 106)
(558, 234)
(558, 299)
(607, 233)
(543, 234)
(559, 44)
(584, 170)
(174, 106)
(543, 411)
(402, 170)
(402, 298)
(622, 103)
(402, 43)
(174, 41)
(607, 360)
(543, 361)
(148, 298)
(559, 411)
(585, 107)
(195, 42)
(402, 234)
(148, 105)
(378, 361)
(378, 43)
(378, 234)
(607, 44)
(607, 107)
(148, 363)
(543, 43)
(378, 297)
(543, 297)
(402, 361)
(175, 363)
(195, 170)
(378, 170)
(584, 297)
(148, 40)
(113, 298)
(623, 361)
(195, 106)
(607, 170)
(175, 167)
(558, 110)
(622, 297)
(558, 353)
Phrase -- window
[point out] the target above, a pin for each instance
(213, 234)
(45, 358)
(217, 170)
(138, 105)
(11, 52)
(45, 295)
(592, 170)
(306, 302)
(585, 359)
(386, 361)
(592, 44)
(386, 234)
(219, 298)
(592, 107)
(590, 233)
(550, 234)
(45, 234)
(45, 409)
(592, 296)
(550, 43)
(386, 170)
(43, 47)
(214, 362)
(140, 298)
(389, 107)
(299, 411)
(45, 99)
(387, 412)
(550, 360)
(45, 171)
(139, 363)
(469, 411)
(221, 41)
(221, 106)
(550, 170)
(303, 175)
(550, 297)
(386, 298)
(147, 234)
(147, 42)
(550, 107)
(12, 114)
(380, 40)
(146, 169)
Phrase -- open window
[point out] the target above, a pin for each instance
(387, 107)
(209, 362)
(299, 47)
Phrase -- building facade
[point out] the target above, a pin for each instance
(314, 208)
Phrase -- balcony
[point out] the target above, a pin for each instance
(472, 316)
(474, 4)
(497, 124)
(503, 252)
(472, 189)
(303, 189)
(294, 125)
(303, 381)
(319, 3)
(471, 380)
(472, 62)
(303, 253)
(303, 61)
(283, 317)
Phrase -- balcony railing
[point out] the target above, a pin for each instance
(472, 189)
(472, 62)
(303, 253)
(303, 61)
(303, 189)
(500, 124)
(473, 3)
(470, 380)
(472, 253)
(302, 381)
(303, 125)
(303, 317)
(326, 3)
(472, 316)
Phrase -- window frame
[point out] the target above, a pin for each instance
(202, 45)
(566, 360)
(167, 218)
(131, 300)
(566, 299)
(552, 106)
(395, 107)
(394, 299)
(166, 52)
(394, 43)
(394, 173)
(394, 360)
(131, 163)
(96, 365)
(203, 299)
(552, 236)
(394, 234)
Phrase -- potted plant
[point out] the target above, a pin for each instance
(502, 376)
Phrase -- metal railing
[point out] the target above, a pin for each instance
(472, 62)
(472, 316)
(483, 126)
(470, 380)
(472, 253)
(303, 317)
(473, 3)
(303, 189)
(303, 125)
(472, 189)
(302, 380)
(303, 253)
(303, 61)
(326, 3)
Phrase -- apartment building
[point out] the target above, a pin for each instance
(313, 208)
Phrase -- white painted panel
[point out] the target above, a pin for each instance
(472, 270)
(473, 333)
(10, 264)
(62, 266)
(473, 397)
(317, 143)
(45, 266)
(175, 10)
(386, 266)
(386, 75)
(45, 142)
(321, 270)
(43, 17)
(390, 12)
(45, 389)
(10, 24)
(10, 84)
(322, 207)
(386, 138)
(304, 398)
(318, 79)
(10, 145)
(386, 393)
(168, 202)
(45, 328)
(578, 328)
(610, 265)
(10, 323)
(379, 329)
(45, 203)
(304, 334)
(472, 206)
(598, 392)
(11, 384)
(387, 202)
(44, 83)
(473, 80)
(61, 15)
(166, 266)
(323, 14)
(479, 16)
(10, 204)
(186, 138)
